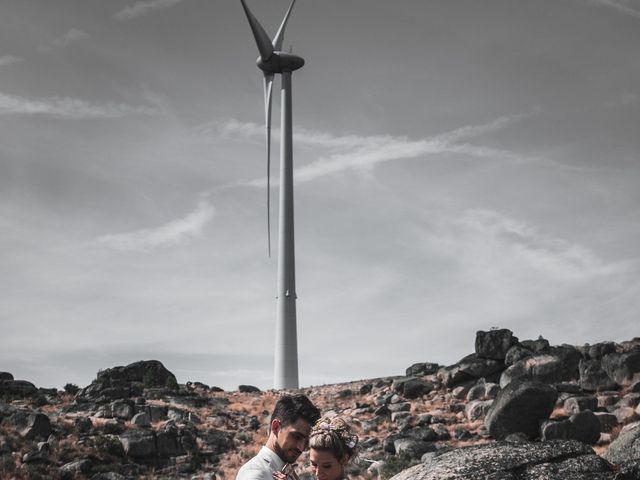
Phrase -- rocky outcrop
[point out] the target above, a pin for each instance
(411, 387)
(554, 460)
(552, 367)
(623, 368)
(129, 381)
(494, 344)
(520, 408)
(626, 447)
(593, 377)
(16, 388)
(422, 369)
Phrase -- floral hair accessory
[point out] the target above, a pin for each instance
(325, 426)
(351, 443)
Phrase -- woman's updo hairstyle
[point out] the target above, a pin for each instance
(333, 435)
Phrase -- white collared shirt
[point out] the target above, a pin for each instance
(262, 466)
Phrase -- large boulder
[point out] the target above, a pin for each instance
(580, 403)
(623, 368)
(412, 447)
(471, 367)
(593, 377)
(559, 365)
(626, 447)
(151, 373)
(516, 353)
(421, 369)
(412, 387)
(139, 444)
(520, 407)
(124, 382)
(38, 427)
(494, 344)
(599, 350)
(554, 460)
(585, 427)
(17, 388)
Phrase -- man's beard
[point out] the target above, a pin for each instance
(288, 456)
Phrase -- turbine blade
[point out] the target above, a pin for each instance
(265, 46)
(277, 40)
(268, 89)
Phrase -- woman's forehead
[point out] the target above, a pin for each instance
(319, 456)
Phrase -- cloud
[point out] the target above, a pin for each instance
(67, 108)
(9, 59)
(71, 36)
(623, 100)
(488, 243)
(351, 152)
(141, 8)
(167, 235)
(620, 6)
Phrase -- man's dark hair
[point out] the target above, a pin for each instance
(290, 408)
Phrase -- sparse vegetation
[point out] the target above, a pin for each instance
(394, 464)
(71, 388)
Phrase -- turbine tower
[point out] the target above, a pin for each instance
(272, 61)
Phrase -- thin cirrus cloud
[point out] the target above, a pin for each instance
(142, 8)
(9, 60)
(352, 152)
(620, 6)
(170, 234)
(67, 108)
(71, 36)
(489, 241)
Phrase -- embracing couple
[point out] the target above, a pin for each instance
(295, 426)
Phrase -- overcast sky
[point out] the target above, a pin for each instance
(460, 165)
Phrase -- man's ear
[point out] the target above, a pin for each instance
(344, 460)
(275, 426)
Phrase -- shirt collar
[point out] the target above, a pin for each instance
(272, 458)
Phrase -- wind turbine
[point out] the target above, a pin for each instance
(272, 61)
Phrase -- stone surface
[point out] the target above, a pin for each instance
(623, 368)
(141, 420)
(546, 368)
(556, 430)
(555, 460)
(477, 409)
(494, 344)
(131, 380)
(579, 404)
(599, 350)
(515, 353)
(139, 443)
(520, 407)
(412, 447)
(17, 388)
(585, 427)
(414, 388)
(607, 421)
(593, 377)
(38, 427)
(421, 369)
(626, 447)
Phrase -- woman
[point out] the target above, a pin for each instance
(332, 444)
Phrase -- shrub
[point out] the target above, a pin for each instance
(396, 464)
(71, 388)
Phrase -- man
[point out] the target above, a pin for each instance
(291, 422)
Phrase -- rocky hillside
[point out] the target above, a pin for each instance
(512, 410)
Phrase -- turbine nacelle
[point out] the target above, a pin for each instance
(280, 62)
(272, 61)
